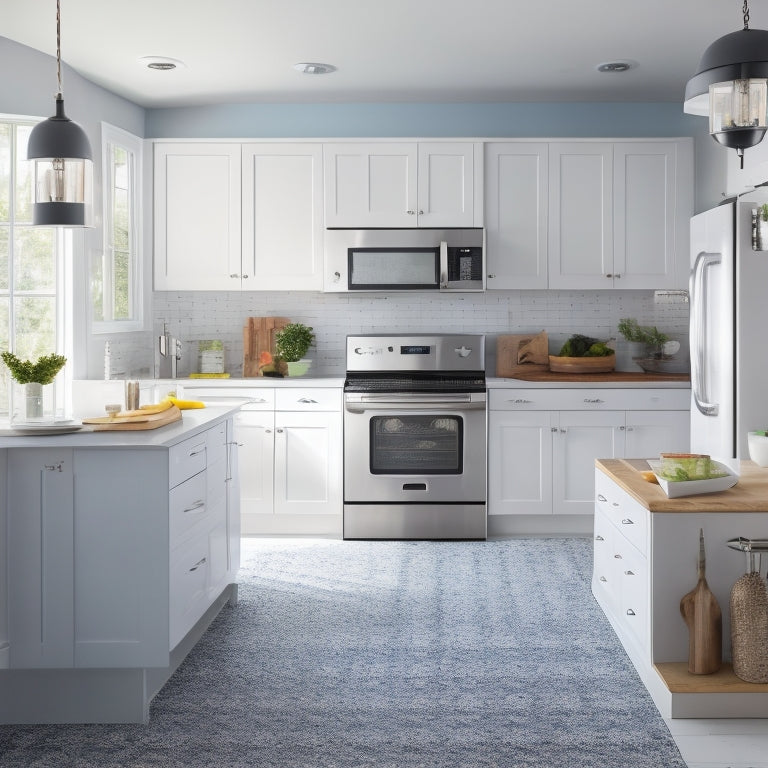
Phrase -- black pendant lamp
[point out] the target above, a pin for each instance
(63, 164)
(731, 85)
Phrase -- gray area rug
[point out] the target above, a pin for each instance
(391, 655)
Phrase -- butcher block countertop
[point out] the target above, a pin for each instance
(750, 494)
(620, 379)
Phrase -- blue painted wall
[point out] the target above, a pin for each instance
(510, 120)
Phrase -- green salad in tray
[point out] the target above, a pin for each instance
(681, 467)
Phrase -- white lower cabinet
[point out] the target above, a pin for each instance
(290, 448)
(541, 457)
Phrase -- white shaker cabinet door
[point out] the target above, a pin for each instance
(40, 557)
(254, 433)
(282, 217)
(582, 437)
(370, 184)
(645, 214)
(649, 433)
(581, 215)
(197, 217)
(308, 462)
(446, 184)
(516, 183)
(520, 462)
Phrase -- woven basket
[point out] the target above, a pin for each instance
(749, 628)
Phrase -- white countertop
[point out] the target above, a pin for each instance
(192, 422)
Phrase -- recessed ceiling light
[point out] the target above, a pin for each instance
(314, 68)
(615, 66)
(163, 63)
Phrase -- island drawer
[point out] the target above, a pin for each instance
(589, 399)
(186, 459)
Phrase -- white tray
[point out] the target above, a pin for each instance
(676, 489)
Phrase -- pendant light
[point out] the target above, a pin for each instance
(63, 164)
(731, 85)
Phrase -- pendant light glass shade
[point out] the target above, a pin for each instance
(63, 177)
(738, 112)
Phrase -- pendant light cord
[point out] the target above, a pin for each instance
(744, 10)
(58, 43)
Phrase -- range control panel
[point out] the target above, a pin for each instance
(424, 353)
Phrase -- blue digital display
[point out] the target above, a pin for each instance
(412, 349)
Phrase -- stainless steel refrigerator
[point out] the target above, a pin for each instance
(728, 329)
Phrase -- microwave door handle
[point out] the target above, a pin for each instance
(443, 265)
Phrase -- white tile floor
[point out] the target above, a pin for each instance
(721, 743)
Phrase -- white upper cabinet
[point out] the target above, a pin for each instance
(516, 183)
(580, 215)
(282, 217)
(197, 216)
(402, 184)
(584, 214)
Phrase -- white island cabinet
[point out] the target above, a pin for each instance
(120, 549)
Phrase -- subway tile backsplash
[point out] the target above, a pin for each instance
(194, 316)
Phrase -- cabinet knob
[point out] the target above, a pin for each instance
(411, 213)
(630, 429)
(630, 612)
(266, 432)
(618, 277)
(245, 277)
(629, 573)
(421, 213)
(554, 429)
(603, 579)
(490, 277)
(336, 277)
(599, 538)
(621, 429)
(609, 275)
(235, 275)
(563, 431)
(617, 557)
(600, 497)
(279, 430)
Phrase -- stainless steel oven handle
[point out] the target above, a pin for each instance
(399, 405)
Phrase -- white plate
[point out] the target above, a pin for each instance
(59, 428)
(676, 489)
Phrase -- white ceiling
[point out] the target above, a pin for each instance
(385, 50)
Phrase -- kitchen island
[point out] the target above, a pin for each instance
(645, 554)
(121, 548)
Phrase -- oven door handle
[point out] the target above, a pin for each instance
(424, 405)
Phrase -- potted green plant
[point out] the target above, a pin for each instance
(292, 342)
(33, 377)
(650, 336)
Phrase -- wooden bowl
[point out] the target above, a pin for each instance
(582, 364)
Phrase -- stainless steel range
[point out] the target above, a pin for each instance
(415, 437)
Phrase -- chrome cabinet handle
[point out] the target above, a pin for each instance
(630, 612)
(490, 277)
(593, 400)
(199, 563)
(603, 579)
(267, 431)
(629, 573)
(197, 452)
(306, 400)
(198, 505)
(279, 431)
(520, 401)
(609, 274)
(411, 213)
(234, 274)
(600, 497)
(617, 557)
(627, 521)
(553, 429)
(599, 538)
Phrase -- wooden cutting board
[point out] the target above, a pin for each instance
(258, 337)
(150, 421)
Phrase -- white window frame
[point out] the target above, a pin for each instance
(113, 136)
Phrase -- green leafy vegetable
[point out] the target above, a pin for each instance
(25, 371)
(584, 346)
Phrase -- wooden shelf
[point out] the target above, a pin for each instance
(677, 678)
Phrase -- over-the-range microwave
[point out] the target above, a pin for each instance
(404, 259)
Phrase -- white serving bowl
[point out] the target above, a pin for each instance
(758, 448)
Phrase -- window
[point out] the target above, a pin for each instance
(116, 274)
(31, 261)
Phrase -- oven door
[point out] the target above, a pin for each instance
(413, 448)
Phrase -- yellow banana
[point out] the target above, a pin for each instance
(145, 410)
(185, 404)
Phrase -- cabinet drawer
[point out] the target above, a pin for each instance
(216, 443)
(588, 399)
(186, 459)
(628, 517)
(188, 508)
(188, 587)
(323, 399)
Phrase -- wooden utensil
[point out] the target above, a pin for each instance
(258, 337)
(702, 614)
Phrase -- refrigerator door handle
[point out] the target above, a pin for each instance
(698, 293)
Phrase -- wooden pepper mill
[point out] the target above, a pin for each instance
(702, 614)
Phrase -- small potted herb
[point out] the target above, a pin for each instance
(33, 376)
(291, 345)
(650, 336)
